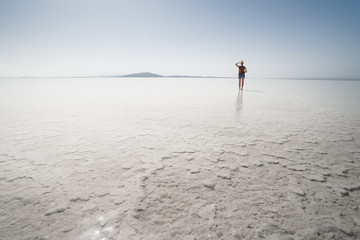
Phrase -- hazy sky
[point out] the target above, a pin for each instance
(277, 38)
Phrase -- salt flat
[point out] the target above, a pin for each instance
(157, 158)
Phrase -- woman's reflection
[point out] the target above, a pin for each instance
(238, 103)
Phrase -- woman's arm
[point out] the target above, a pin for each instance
(236, 64)
(245, 70)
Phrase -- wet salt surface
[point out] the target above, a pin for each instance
(179, 159)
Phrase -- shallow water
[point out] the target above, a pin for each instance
(158, 158)
(143, 97)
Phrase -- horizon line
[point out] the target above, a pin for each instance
(279, 78)
(153, 75)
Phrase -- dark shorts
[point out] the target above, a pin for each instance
(241, 75)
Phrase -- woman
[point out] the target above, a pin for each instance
(242, 71)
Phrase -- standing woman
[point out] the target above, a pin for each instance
(242, 71)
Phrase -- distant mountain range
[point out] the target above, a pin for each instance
(141, 74)
(154, 75)
(132, 75)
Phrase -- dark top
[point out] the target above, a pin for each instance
(241, 69)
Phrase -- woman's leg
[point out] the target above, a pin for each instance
(239, 83)
(242, 85)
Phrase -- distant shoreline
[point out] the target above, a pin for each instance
(154, 75)
(305, 79)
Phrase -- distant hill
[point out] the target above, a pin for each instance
(142, 74)
(133, 75)
(154, 75)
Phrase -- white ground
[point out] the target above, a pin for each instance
(165, 159)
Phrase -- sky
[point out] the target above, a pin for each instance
(278, 38)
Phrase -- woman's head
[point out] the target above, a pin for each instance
(241, 62)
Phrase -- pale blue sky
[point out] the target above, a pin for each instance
(278, 38)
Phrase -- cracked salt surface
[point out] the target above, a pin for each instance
(179, 159)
